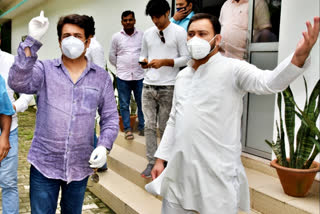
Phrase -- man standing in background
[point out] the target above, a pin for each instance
(124, 55)
(9, 168)
(164, 50)
(184, 13)
(234, 18)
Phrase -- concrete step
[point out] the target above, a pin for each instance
(266, 191)
(127, 161)
(123, 196)
(128, 164)
(137, 145)
(268, 197)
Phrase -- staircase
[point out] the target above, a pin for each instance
(122, 187)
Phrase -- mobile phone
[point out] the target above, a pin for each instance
(143, 63)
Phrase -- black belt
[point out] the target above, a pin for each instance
(157, 87)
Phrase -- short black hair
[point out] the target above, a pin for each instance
(157, 8)
(195, 8)
(214, 21)
(189, 1)
(83, 21)
(127, 13)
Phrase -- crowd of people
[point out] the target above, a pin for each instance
(189, 64)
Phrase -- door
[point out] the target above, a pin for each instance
(263, 37)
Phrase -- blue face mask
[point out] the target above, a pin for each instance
(182, 8)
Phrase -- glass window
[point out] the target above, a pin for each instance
(266, 21)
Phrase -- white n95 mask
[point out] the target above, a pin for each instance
(72, 47)
(199, 48)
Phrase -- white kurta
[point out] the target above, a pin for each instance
(202, 139)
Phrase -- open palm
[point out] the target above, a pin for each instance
(306, 43)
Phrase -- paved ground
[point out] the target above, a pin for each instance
(92, 204)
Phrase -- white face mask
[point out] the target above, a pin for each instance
(72, 47)
(199, 48)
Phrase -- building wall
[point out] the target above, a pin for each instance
(107, 15)
(294, 15)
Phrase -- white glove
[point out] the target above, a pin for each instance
(98, 157)
(38, 26)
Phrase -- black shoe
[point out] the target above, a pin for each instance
(147, 172)
(102, 169)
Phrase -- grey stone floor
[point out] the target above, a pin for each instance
(92, 204)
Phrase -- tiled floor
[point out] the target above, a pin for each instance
(92, 204)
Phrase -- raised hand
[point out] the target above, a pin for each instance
(181, 14)
(306, 43)
(38, 26)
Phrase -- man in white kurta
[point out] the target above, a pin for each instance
(201, 141)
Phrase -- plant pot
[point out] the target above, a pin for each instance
(296, 182)
(132, 121)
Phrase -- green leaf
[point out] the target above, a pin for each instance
(306, 87)
(313, 99)
(289, 116)
(308, 128)
(280, 140)
(311, 159)
(315, 142)
(308, 135)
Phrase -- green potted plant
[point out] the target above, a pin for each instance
(297, 172)
(133, 104)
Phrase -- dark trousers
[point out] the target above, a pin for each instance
(44, 194)
(124, 90)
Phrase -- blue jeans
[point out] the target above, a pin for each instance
(44, 194)
(9, 177)
(124, 91)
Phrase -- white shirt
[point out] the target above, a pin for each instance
(175, 47)
(124, 55)
(21, 104)
(202, 138)
(95, 53)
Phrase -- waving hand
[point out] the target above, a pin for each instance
(306, 43)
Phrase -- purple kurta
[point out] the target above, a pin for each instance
(63, 138)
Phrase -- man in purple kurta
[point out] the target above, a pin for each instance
(69, 90)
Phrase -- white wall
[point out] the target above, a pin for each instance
(106, 13)
(294, 14)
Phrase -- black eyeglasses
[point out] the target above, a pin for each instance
(162, 36)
